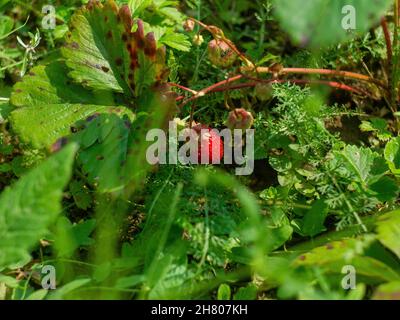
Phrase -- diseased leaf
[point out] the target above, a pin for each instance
(334, 255)
(388, 291)
(104, 146)
(43, 125)
(30, 206)
(104, 53)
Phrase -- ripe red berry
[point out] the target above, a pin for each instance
(211, 141)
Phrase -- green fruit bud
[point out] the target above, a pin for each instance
(263, 91)
(220, 54)
(188, 25)
(198, 40)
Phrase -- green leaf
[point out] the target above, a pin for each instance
(29, 207)
(62, 292)
(81, 194)
(70, 237)
(5, 110)
(366, 165)
(46, 85)
(392, 155)
(42, 126)
(138, 6)
(10, 282)
(177, 41)
(313, 221)
(377, 125)
(388, 230)
(319, 22)
(386, 189)
(246, 293)
(6, 25)
(104, 146)
(38, 295)
(130, 281)
(224, 292)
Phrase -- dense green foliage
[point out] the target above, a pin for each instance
(77, 193)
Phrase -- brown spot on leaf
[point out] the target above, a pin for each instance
(105, 69)
(124, 37)
(74, 45)
(302, 257)
(119, 61)
(57, 146)
(100, 158)
(109, 34)
(92, 117)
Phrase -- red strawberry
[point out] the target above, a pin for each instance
(208, 139)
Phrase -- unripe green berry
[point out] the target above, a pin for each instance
(263, 91)
(220, 54)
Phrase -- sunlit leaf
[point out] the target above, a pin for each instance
(31, 205)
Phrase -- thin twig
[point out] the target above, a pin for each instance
(327, 72)
(221, 88)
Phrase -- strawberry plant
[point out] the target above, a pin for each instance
(312, 85)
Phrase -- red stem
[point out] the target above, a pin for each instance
(328, 72)
(387, 39)
(208, 89)
(182, 87)
(331, 84)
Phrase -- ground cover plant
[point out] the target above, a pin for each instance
(85, 215)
